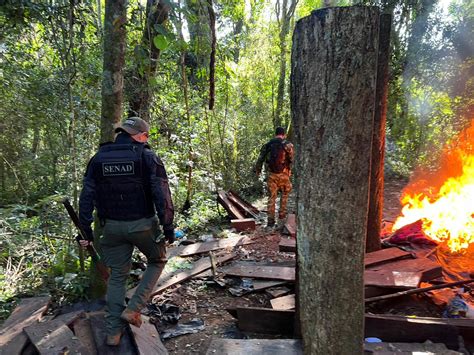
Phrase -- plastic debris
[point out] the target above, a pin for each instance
(193, 326)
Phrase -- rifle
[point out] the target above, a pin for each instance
(101, 267)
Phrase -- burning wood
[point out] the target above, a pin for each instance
(443, 202)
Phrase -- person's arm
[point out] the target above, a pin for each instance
(86, 202)
(261, 159)
(161, 193)
(290, 154)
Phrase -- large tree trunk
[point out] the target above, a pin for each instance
(112, 99)
(378, 142)
(334, 69)
(114, 58)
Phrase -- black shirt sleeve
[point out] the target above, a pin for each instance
(87, 198)
(160, 189)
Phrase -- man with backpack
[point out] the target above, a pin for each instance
(277, 154)
(127, 183)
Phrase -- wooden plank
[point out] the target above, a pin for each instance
(82, 330)
(260, 272)
(255, 347)
(417, 329)
(283, 303)
(28, 311)
(259, 285)
(70, 317)
(126, 345)
(290, 225)
(254, 211)
(385, 255)
(200, 266)
(147, 339)
(228, 206)
(199, 248)
(428, 269)
(392, 279)
(242, 207)
(287, 245)
(278, 291)
(54, 337)
(242, 225)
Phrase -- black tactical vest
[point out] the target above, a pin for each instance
(123, 190)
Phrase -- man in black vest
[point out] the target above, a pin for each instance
(277, 154)
(127, 183)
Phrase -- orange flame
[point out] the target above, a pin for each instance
(445, 201)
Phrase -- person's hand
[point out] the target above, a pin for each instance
(169, 235)
(84, 243)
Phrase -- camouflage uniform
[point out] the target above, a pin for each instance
(276, 181)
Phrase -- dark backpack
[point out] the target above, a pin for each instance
(277, 157)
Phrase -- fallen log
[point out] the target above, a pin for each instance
(418, 290)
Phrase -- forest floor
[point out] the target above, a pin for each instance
(206, 300)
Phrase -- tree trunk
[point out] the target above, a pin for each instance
(378, 140)
(285, 14)
(334, 69)
(114, 58)
(138, 84)
(212, 60)
(112, 99)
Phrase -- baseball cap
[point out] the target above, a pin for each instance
(134, 125)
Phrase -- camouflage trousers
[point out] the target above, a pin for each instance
(278, 182)
(118, 241)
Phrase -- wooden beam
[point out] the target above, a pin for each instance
(407, 329)
(254, 211)
(385, 255)
(260, 272)
(126, 345)
(243, 224)
(290, 225)
(82, 330)
(54, 337)
(428, 269)
(147, 339)
(200, 248)
(28, 312)
(392, 279)
(255, 346)
(283, 303)
(287, 245)
(228, 206)
(199, 267)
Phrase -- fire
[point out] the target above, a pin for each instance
(445, 201)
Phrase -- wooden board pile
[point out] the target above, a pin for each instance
(29, 331)
(388, 272)
(242, 213)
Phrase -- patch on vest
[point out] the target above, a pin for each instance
(116, 169)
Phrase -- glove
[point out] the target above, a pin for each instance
(89, 235)
(169, 235)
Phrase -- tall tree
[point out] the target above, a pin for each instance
(284, 10)
(114, 59)
(334, 70)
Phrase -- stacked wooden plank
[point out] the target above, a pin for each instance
(26, 331)
(242, 213)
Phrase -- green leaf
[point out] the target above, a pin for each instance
(160, 42)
